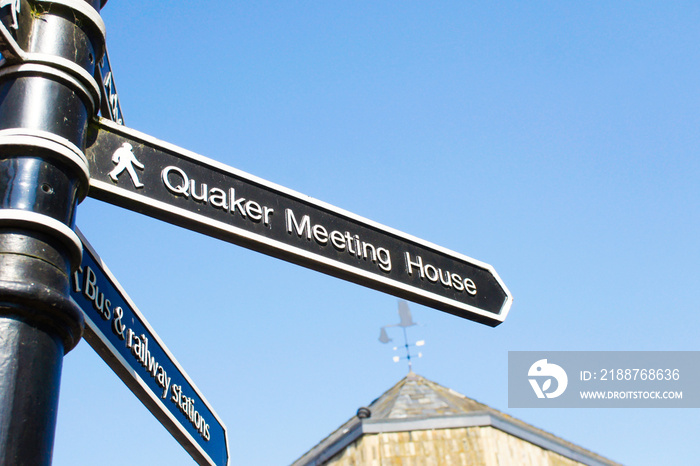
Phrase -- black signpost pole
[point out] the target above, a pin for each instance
(47, 96)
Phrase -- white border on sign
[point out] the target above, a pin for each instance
(201, 219)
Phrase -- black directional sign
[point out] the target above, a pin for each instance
(110, 106)
(139, 172)
(122, 337)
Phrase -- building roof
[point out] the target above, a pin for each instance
(416, 397)
(416, 403)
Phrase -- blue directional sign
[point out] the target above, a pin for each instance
(120, 334)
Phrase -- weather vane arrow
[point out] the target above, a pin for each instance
(405, 321)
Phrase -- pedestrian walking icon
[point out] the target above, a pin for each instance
(125, 159)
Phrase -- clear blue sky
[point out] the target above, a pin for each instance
(557, 141)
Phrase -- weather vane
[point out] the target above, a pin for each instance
(405, 321)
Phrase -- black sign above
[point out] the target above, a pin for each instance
(110, 108)
(138, 172)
